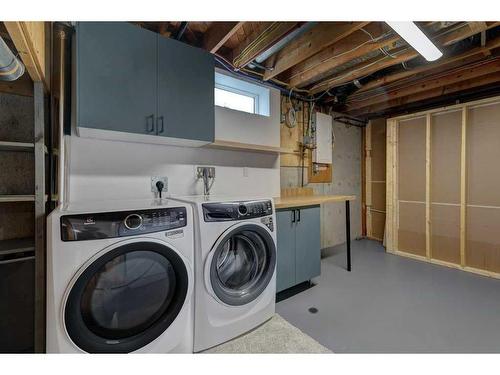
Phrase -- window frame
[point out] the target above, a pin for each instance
(237, 91)
(237, 85)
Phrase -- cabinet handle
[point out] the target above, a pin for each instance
(298, 211)
(293, 216)
(161, 127)
(151, 128)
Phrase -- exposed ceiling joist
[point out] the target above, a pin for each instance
(29, 39)
(218, 34)
(262, 38)
(371, 86)
(439, 80)
(451, 88)
(402, 55)
(310, 43)
(352, 47)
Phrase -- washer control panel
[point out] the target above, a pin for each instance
(121, 224)
(229, 211)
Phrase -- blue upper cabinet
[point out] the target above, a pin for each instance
(185, 91)
(132, 84)
(116, 77)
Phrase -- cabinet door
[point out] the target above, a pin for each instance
(308, 244)
(285, 265)
(185, 91)
(116, 77)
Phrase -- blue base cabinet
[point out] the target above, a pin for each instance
(299, 246)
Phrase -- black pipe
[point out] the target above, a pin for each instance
(182, 29)
(348, 233)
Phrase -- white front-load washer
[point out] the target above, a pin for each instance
(235, 267)
(120, 277)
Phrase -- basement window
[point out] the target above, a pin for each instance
(240, 95)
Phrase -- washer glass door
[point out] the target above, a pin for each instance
(242, 264)
(126, 298)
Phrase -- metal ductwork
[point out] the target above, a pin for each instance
(284, 41)
(11, 68)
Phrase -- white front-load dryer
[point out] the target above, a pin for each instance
(120, 278)
(235, 267)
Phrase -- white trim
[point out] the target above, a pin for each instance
(137, 138)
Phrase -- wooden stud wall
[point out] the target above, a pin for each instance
(290, 139)
(442, 194)
(375, 175)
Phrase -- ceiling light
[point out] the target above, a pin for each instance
(417, 39)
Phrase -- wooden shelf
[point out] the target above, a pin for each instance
(18, 245)
(17, 198)
(17, 146)
(238, 146)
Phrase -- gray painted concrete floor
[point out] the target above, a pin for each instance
(391, 304)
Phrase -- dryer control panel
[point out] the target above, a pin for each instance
(94, 226)
(228, 211)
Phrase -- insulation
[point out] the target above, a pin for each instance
(18, 173)
(411, 232)
(445, 157)
(16, 220)
(378, 145)
(378, 225)
(378, 196)
(445, 233)
(483, 155)
(411, 159)
(483, 239)
(16, 118)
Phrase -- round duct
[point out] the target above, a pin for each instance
(11, 68)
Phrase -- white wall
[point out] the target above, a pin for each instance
(245, 127)
(102, 170)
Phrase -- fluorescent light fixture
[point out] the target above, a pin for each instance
(417, 39)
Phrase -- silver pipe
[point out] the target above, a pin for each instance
(11, 68)
(283, 42)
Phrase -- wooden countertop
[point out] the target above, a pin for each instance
(309, 200)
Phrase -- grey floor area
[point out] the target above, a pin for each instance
(391, 304)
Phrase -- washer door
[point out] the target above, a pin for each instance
(126, 298)
(242, 264)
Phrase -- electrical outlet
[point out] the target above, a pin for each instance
(199, 172)
(155, 179)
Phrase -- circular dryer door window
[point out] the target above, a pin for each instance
(126, 298)
(242, 264)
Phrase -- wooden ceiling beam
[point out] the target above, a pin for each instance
(372, 86)
(310, 43)
(439, 80)
(402, 55)
(352, 47)
(261, 39)
(484, 80)
(218, 34)
(29, 39)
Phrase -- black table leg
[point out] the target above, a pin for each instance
(348, 233)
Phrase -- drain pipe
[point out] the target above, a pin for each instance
(11, 68)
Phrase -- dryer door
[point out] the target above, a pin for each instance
(126, 298)
(242, 264)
